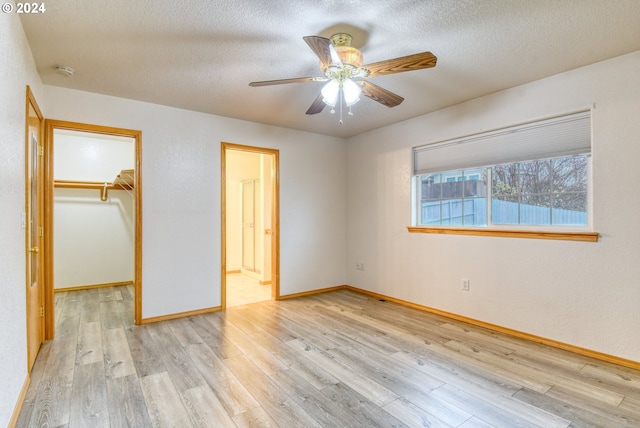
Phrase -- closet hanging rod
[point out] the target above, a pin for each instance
(123, 181)
(69, 184)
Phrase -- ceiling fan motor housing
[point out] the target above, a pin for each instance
(347, 53)
(350, 57)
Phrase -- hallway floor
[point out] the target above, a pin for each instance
(242, 289)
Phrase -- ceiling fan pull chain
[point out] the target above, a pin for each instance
(341, 101)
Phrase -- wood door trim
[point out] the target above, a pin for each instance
(31, 103)
(275, 217)
(50, 126)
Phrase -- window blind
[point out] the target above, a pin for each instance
(559, 136)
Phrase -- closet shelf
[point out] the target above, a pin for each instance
(124, 179)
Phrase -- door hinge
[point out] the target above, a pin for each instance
(40, 150)
(41, 311)
(41, 231)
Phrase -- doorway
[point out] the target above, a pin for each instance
(250, 224)
(93, 212)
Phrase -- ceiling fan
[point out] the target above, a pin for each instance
(342, 69)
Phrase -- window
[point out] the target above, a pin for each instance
(549, 192)
(453, 201)
(528, 176)
(542, 192)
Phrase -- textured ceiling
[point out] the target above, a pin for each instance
(201, 55)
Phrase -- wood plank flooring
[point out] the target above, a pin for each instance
(338, 359)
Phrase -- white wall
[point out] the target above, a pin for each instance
(181, 197)
(93, 239)
(87, 156)
(584, 294)
(17, 71)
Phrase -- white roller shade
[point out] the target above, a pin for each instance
(559, 136)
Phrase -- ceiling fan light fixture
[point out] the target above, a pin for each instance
(330, 92)
(341, 63)
(351, 91)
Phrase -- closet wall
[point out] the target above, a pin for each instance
(93, 239)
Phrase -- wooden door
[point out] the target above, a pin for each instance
(34, 154)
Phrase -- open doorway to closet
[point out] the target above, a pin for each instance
(250, 224)
(93, 222)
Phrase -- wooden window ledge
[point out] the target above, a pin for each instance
(564, 236)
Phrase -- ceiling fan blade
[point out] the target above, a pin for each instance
(381, 95)
(325, 51)
(283, 81)
(398, 65)
(317, 106)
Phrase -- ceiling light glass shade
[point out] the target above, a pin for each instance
(330, 92)
(352, 92)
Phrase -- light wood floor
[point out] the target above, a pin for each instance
(242, 289)
(339, 359)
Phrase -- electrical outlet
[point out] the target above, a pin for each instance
(360, 266)
(465, 285)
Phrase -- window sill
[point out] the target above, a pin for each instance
(564, 236)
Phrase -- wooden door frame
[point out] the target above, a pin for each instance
(50, 127)
(32, 103)
(275, 217)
